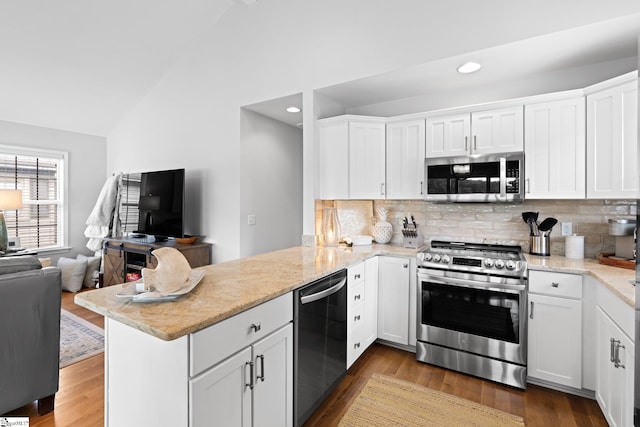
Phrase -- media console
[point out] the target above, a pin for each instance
(128, 256)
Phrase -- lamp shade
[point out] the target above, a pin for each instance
(10, 199)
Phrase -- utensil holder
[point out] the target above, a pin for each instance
(539, 245)
(411, 237)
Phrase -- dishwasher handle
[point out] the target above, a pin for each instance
(324, 293)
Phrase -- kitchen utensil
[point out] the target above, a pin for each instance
(530, 218)
(547, 224)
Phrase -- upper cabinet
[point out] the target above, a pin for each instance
(555, 149)
(479, 132)
(405, 160)
(612, 139)
(333, 160)
(366, 160)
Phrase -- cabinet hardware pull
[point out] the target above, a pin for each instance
(382, 189)
(356, 318)
(256, 327)
(405, 265)
(531, 311)
(249, 384)
(356, 345)
(261, 376)
(475, 143)
(421, 191)
(356, 297)
(617, 363)
(466, 143)
(357, 276)
(555, 284)
(612, 350)
(527, 186)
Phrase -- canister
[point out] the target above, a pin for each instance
(574, 247)
(539, 245)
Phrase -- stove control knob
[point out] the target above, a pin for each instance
(488, 262)
(499, 264)
(436, 258)
(511, 265)
(445, 259)
(427, 256)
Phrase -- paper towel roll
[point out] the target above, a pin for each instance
(574, 247)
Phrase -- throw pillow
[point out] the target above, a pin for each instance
(72, 273)
(16, 264)
(93, 269)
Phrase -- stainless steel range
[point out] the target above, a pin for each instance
(472, 303)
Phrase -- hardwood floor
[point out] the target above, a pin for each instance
(80, 400)
(537, 405)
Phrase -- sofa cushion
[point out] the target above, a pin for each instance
(72, 273)
(16, 264)
(93, 269)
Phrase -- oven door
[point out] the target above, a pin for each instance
(479, 314)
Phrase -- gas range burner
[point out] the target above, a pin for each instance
(482, 258)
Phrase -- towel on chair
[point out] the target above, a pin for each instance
(100, 217)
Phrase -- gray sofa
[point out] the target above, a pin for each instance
(29, 333)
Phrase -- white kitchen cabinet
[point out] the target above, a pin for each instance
(614, 371)
(333, 160)
(479, 132)
(555, 149)
(393, 299)
(204, 376)
(362, 306)
(366, 160)
(405, 156)
(612, 144)
(555, 328)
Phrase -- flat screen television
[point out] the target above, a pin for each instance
(161, 204)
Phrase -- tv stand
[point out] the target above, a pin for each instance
(128, 256)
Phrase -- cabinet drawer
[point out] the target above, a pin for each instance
(355, 274)
(219, 341)
(555, 284)
(355, 317)
(356, 294)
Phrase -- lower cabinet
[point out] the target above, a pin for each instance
(393, 295)
(614, 371)
(251, 388)
(362, 308)
(555, 328)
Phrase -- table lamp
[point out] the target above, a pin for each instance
(9, 199)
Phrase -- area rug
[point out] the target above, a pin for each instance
(386, 401)
(79, 339)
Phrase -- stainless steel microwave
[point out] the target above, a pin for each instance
(495, 177)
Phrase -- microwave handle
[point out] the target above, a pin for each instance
(503, 178)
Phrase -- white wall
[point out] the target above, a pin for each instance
(86, 170)
(279, 47)
(270, 184)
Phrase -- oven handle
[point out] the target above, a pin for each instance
(466, 283)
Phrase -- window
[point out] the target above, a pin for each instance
(129, 197)
(40, 174)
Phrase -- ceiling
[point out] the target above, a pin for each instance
(82, 65)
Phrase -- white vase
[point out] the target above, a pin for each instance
(382, 230)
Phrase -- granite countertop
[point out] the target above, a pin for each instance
(615, 279)
(231, 287)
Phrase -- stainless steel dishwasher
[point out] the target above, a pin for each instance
(320, 342)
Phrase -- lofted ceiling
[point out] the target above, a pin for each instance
(82, 65)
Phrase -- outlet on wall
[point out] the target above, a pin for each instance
(567, 228)
(251, 219)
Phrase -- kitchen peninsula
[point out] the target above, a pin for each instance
(150, 363)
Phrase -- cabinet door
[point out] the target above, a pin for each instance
(555, 149)
(448, 136)
(612, 145)
(370, 325)
(114, 262)
(273, 390)
(555, 340)
(614, 384)
(333, 160)
(366, 161)
(497, 131)
(393, 299)
(405, 160)
(222, 393)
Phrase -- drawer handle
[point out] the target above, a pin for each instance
(356, 297)
(356, 345)
(356, 318)
(256, 327)
(531, 311)
(555, 284)
(357, 276)
(249, 384)
(261, 376)
(405, 265)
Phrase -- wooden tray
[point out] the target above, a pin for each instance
(622, 263)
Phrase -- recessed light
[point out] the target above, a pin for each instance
(469, 67)
(293, 109)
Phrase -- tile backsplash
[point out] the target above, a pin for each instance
(492, 222)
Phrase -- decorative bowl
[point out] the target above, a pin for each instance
(188, 240)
